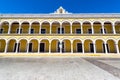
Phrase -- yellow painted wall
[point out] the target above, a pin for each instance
(34, 45)
(74, 28)
(25, 28)
(5, 28)
(55, 28)
(85, 28)
(111, 45)
(14, 28)
(54, 45)
(97, 28)
(108, 28)
(66, 28)
(2, 45)
(47, 27)
(67, 45)
(23, 46)
(11, 45)
(36, 28)
(99, 46)
(46, 45)
(117, 28)
(87, 45)
(119, 45)
(75, 45)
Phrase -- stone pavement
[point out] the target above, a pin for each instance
(59, 68)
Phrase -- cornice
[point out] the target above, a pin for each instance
(81, 15)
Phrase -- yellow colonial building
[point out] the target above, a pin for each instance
(60, 32)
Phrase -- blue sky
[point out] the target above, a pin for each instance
(48, 6)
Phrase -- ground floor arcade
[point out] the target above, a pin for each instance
(59, 46)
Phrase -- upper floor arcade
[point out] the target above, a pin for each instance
(75, 27)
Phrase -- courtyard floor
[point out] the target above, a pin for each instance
(59, 68)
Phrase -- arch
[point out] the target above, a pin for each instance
(14, 27)
(33, 46)
(2, 45)
(77, 46)
(88, 46)
(76, 27)
(45, 27)
(4, 27)
(44, 45)
(87, 27)
(97, 26)
(117, 27)
(55, 26)
(35, 28)
(108, 27)
(66, 27)
(100, 46)
(12, 45)
(25, 27)
(23, 43)
(66, 45)
(55, 45)
(111, 47)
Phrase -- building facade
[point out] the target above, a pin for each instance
(60, 32)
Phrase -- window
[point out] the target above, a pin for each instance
(58, 30)
(1, 31)
(90, 31)
(104, 31)
(62, 30)
(43, 31)
(17, 31)
(78, 31)
(32, 31)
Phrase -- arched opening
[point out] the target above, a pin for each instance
(4, 28)
(55, 28)
(14, 28)
(33, 46)
(76, 28)
(25, 28)
(22, 46)
(117, 27)
(97, 28)
(45, 28)
(2, 45)
(100, 46)
(44, 46)
(88, 46)
(66, 46)
(87, 28)
(35, 27)
(65, 27)
(55, 46)
(77, 46)
(108, 28)
(111, 48)
(12, 46)
(119, 45)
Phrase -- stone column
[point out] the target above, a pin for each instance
(60, 46)
(27, 47)
(40, 29)
(94, 47)
(50, 28)
(83, 48)
(92, 28)
(103, 31)
(9, 28)
(6, 47)
(38, 47)
(71, 28)
(81, 25)
(60, 28)
(19, 28)
(117, 48)
(49, 48)
(71, 48)
(113, 27)
(30, 28)
(16, 47)
(106, 51)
